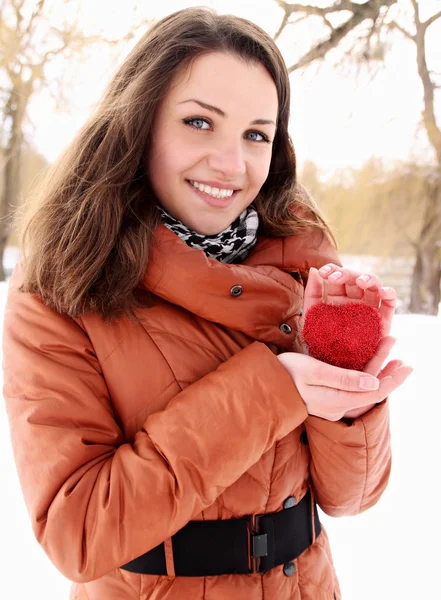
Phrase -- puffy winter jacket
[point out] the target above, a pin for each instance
(123, 433)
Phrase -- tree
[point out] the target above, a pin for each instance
(33, 34)
(366, 26)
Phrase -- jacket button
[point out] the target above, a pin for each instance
(236, 290)
(289, 569)
(289, 502)
(285, 328)
(304, 438)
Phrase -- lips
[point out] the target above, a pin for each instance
(215, 184)
(211, 200)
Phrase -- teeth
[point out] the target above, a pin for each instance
(215, 192)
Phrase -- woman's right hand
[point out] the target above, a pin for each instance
(330, 392)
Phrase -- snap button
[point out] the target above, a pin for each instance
(289, 502)
(285, 328)
(289, 569)
(304, 438)
(236, 290)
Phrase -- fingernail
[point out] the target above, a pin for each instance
(335, 275)
(325, 270)
(369, 383)
(364, 278)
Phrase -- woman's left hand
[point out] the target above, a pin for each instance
(325, 285)
(345, 285)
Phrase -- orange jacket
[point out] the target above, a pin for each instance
(124, 433)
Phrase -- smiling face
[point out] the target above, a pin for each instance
(212, 141)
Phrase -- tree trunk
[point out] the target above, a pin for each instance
(429, 250)
(426, 279)
(15, 113)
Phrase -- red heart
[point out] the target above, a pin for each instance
(344, 335)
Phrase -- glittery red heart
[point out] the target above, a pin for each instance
(344, 335)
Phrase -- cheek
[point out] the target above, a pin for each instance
(170, 159)
(259, 169)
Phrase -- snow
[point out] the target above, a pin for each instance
(382, 554)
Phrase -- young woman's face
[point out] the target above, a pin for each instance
(212, 141)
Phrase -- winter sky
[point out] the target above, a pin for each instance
(338, 120)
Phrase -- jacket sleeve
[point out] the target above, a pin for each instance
(96, 501)
(350, 464)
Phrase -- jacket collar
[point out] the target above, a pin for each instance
(271, 296)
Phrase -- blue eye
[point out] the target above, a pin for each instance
(263, 138)
(197, 123)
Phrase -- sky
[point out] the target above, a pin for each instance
(388, 552)
(338, 119)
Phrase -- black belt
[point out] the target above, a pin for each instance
(221, 547)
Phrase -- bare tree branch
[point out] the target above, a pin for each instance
(322, 48)
(431, 20)
(416, 10)
(36, 13)
(369, 10)
(310, 9)
(282, 25)
(395, 25)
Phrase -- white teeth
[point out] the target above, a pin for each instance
(212, 191)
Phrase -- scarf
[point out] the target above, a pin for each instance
(232, 245)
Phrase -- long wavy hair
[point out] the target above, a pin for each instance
(86, 243)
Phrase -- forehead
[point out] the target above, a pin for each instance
(228, 82)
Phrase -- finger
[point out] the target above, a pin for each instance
(343, 275)
(338, 402)
(367, 281)
(389, 368)
(334, 404)
(370, 285)
(383, 350)
(354, 292)
(328, 269)
(391, 382)
(372, 297)
(313, 290)
(387, 307)
(336, 378)
(342, 280)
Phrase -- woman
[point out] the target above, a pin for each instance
(159, 399)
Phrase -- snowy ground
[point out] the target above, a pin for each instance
(390, 552)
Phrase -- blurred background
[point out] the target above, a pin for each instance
(366, 126)
(365, 81)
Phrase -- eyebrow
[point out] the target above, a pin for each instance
(221, 113)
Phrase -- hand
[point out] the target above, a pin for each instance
(331, 392)
(373, 367)
(349, 287)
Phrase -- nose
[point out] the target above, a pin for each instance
(227, 159)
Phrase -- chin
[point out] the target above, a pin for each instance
(209, 228)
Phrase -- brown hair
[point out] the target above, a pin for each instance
(86, 246)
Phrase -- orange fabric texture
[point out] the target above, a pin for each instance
(123, 433)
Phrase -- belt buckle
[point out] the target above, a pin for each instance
(258, 543)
